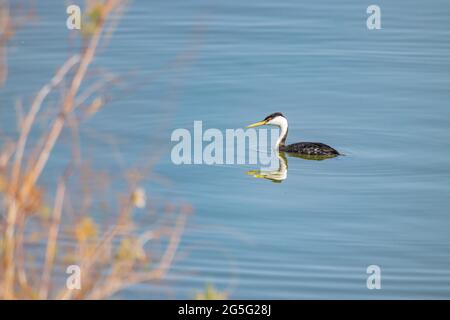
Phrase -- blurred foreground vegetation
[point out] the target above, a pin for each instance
(44, 229)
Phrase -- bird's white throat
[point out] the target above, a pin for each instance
(282, 123)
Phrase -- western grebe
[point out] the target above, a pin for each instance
(300, 148)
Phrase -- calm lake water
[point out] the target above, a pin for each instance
(381, 97)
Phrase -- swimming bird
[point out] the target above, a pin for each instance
(310, 149)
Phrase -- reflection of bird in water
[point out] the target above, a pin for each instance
(275, 175)
(307, 150)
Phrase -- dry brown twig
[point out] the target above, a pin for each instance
(104, 270)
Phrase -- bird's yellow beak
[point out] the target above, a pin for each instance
(257, 124)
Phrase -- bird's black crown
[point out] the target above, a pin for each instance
(273, 115)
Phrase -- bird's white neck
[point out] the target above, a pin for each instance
(282, 123)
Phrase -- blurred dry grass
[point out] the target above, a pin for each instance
(38, 238)
(211, 293)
